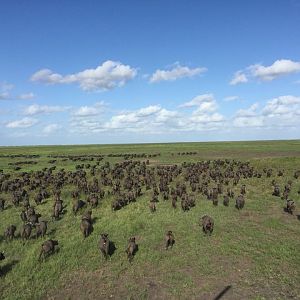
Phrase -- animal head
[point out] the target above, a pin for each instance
(132, 239)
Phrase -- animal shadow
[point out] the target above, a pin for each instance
(223, 292)
(112, 248)
(7, 267)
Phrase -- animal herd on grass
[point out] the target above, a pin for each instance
(125, 182)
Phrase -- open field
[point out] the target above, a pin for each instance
(253, 253)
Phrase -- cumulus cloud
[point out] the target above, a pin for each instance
(279, 68)
(238, 77)
(36, 109)
(107, 76)
(23, 123)
(5, 93)
(231, 98)
(86, 111)
(175, 73)
(51, 128)
(248, 117)
(283, 111)
(282, 105)
(5, 96)
(26, 96)
(198, 100)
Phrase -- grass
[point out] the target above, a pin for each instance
(255, 250)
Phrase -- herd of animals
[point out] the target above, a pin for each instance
(126, 181)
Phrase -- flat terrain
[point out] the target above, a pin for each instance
(253, 253)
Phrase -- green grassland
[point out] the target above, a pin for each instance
(255, 251)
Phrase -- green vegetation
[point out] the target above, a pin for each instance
(255, 250)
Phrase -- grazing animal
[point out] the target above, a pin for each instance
(93, 201)
(131, 248)
(152, 206)
(77, 205)
(10, 232)
(226, 200)
(34, 219)
(207, 224)
(290, 206)
(26, 231)
(87, 216)
(174, 200)
(41, 229)
(240, 202)
(23, 216)
(104, 245)
(86, 227)
(2, 256)
(170, 240)
(276, 191)
(48, 247)
(215, 201)
(243, 189)
(2, 203)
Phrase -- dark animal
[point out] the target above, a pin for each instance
(23, 216)
(10, 232)
(152, 206)
(207, 224)
(170, 240)
(77, 205)
(86, 226)
(34, 219)
(276, 191)
(131, 248)
(104, 245)
(290, 206)
(26, 231)
(2, 256)
(2, 203)
(226, 200)
(87, 216)
(240, 202)
(41, 229)
(48, 247)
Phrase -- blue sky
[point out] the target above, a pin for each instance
(76, 72)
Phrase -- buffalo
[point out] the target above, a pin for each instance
(169, 239)
(48, 248)
(207, 224)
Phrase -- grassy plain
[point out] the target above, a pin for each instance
(253, 253)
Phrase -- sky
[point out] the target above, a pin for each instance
(137, 71)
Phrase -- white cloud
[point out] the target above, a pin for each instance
(86, 111)
(5, 96)
(278, 68)
(175, 73)
(282, 105)
(147, 111)
(27, 96)
(198, 100)
(107, 76)
(249, 112)
(5, 93)
(207, 118)
(23, 123)
(231, 98)
(248, 117)
(36, 109)
(239, 77)
(51, 128)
